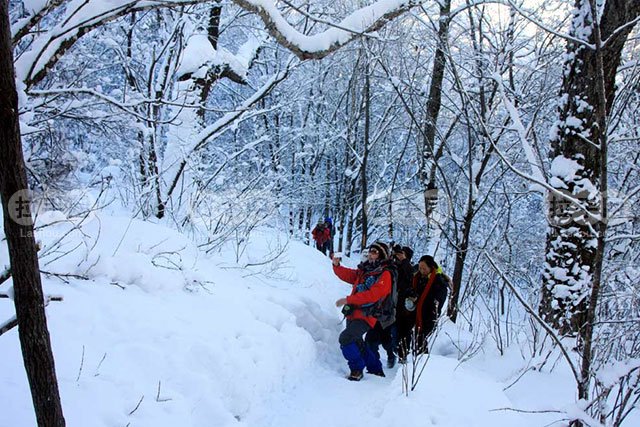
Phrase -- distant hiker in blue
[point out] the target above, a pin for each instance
(371, 283)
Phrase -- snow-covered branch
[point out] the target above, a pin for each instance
(365, 20)
(81, 18)
(536, 166)
(220, 125)
(548, 29)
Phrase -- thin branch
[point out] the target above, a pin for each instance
(81, 365)
(532, 312)
(536, 22)
(8, 325)
(5, 275)
(137, 406)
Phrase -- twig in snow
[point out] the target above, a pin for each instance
(137, 406)
(63, 276)
(158, 395)
(81, 365)
(524, 411)
(100, 364)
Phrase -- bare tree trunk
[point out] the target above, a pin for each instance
(462, 243)
(365, 156)
(434, 102)
(18, 227)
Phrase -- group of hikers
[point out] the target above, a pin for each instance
(387, 280)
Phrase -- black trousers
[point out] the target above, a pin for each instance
(381, 336)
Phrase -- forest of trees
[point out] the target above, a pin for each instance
(501, 136)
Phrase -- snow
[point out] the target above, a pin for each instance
(573, 122)
(196, 53)
(199, 53)
(565, 168)
(162, 334)
(612, 373)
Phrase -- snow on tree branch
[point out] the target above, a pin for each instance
(222, 124)
(365, 20)
(80, 18)
(536, 166)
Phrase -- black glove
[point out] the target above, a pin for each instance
(347, 309)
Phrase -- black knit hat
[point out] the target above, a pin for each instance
(408, 252)
(382, 249)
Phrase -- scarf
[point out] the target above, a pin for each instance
(423, 296)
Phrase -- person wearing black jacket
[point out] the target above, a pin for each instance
(405, 319)
(429, 291)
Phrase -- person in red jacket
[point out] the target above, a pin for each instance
(322, 236)
(371, 283)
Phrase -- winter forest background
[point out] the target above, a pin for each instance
(500, 136)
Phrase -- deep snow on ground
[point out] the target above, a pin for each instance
(163, 334)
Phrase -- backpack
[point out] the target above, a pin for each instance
(384, 310)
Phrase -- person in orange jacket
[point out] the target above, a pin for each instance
(371, 282)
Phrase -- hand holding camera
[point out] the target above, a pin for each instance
(336, 258)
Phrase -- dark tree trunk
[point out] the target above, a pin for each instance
(573, 261)
(18, 227)
(365, 158)
(434, 102)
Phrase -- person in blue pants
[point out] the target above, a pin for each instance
(371, 282)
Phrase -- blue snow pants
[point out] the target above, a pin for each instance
(353, 348)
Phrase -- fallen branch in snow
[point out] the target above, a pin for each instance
(526, 411)
(62, 276)
(137, 406)
(118, 285)
(81, 365)
(158, 395)
(104, 356)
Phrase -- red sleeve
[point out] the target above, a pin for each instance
(379, 290)
(349, 275)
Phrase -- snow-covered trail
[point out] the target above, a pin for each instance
(201, 342)
(447, 394)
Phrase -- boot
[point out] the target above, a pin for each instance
(391, 360)
(355, 376)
